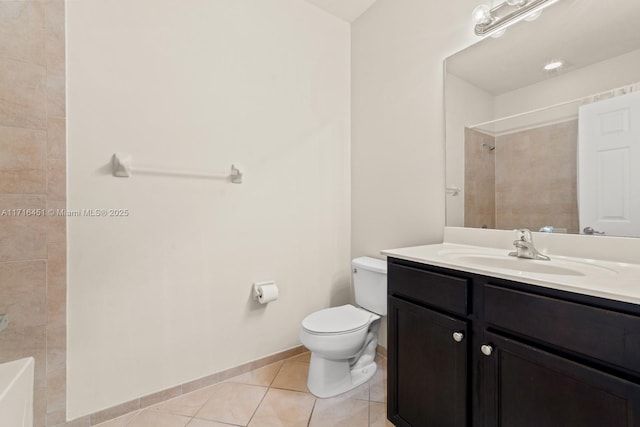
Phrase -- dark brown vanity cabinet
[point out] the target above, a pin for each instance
(470, 350)
(429, 379)
(525, 386)
(428, 349)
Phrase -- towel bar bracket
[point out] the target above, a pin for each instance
(122, 167)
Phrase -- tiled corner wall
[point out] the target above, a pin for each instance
(546, 193)
(529, 179)
(479, 180)
(32, 191)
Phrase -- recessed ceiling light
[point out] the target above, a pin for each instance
(553, 65)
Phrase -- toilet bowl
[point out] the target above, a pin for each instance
(343, 340)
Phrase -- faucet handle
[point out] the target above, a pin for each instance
(523, 234)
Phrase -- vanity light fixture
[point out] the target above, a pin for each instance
(494, 21)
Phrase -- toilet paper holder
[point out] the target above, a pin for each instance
(259, 294)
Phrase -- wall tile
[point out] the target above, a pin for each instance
(479, 180)
(56, 265)
(56, 306)
(23, 94)
(57, 222)
(39, 406)
(32, 176)
(55, 38)
(23, 237)
(23, 154)
(22, 31)
(56, 418)
(56, 138)
(56, 347)
(200, 383)
(80, 422)
(546, 194)
(276, 357)
(23, 293)
(56, 180)
(161, 396)
(115, 411)
(56, 395)
(56, 104)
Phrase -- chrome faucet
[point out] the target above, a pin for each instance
(524, 246)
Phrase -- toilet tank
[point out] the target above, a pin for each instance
(370, 284)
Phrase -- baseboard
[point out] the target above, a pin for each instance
(170, 393)
(382, 351)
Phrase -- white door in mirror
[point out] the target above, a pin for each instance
(609, 166)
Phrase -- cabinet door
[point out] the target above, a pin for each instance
(523, 386)
(427, 367)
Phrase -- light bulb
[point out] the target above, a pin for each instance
(554, 65)
(481, 15)
(533, 16)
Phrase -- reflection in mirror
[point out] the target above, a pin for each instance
(552, 150)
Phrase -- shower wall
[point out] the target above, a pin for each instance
(529, 180)
(536, 178)
(479, 180)
(32, 194)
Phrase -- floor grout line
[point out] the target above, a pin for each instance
(258, 407)
(274, 377)
(364, 396)
(311, 414)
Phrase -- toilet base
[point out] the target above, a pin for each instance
(328, 378)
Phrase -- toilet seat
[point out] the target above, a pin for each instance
(337, 320)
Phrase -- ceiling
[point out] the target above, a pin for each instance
(579, 32)
(347, 10)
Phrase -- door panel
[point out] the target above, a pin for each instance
(609, 166)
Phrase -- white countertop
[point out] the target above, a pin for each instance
(600, 278)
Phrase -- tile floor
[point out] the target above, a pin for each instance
(275, 395)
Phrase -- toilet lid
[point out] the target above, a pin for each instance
(345, 318)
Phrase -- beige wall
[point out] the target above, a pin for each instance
(397, 156)
(32, 178)
(397, 161)
(163, 296)
(605, 75)
(465, 105)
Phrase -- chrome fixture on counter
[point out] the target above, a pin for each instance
(494, 21)
(591, 231)
(524, 246)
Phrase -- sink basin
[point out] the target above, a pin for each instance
(558, 267)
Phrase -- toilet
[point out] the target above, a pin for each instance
(343, 340)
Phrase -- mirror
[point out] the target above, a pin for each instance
(512, 128)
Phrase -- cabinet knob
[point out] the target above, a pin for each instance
(458, 336)
(486, 349)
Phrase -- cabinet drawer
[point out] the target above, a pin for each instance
(439, 290)
(606, 335)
